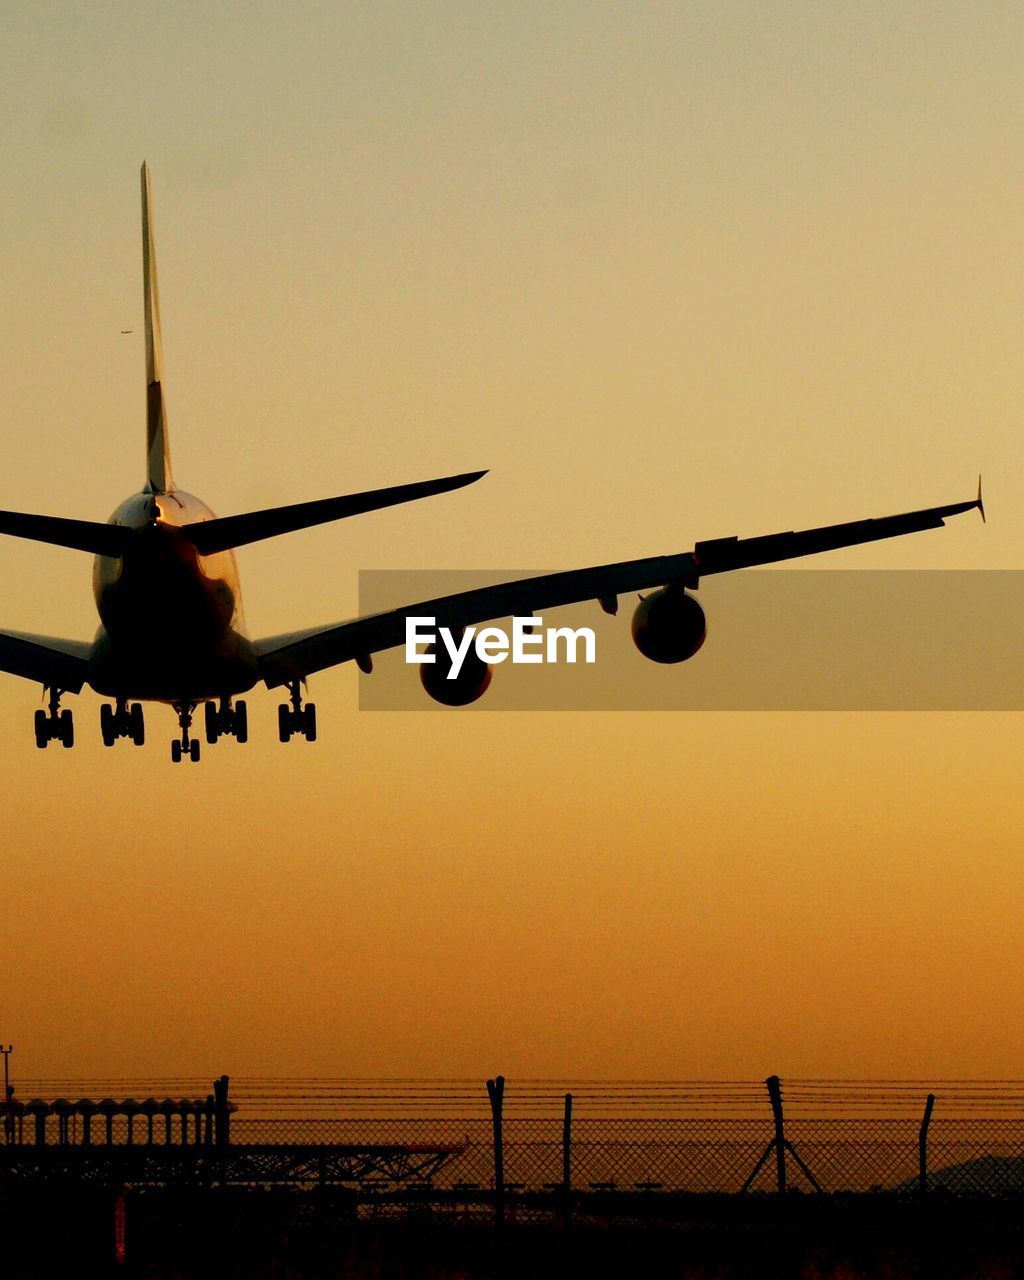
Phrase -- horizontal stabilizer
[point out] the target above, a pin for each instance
(209, 536)
(81, 535)
(60, 664)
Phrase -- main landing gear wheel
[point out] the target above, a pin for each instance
(54, 725)
(226, 720)
(296, 719)
(185, 745)
(122, 721)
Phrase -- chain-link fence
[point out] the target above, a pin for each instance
(454, 1140)
(703, 1156)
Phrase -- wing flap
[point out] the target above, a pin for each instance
(48, 660)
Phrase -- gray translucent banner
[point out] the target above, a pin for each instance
(780, 640)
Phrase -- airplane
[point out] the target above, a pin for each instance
(171, 626)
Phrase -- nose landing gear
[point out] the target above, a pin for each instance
(296, 719)
(122, 721)
(186, 745)
(54, 725)
(227, 721)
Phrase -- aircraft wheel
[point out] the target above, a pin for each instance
(212, 722)
(136, 723)
(66, 729)
(176, 751)
(309, 721)
(193, 750)
(107, 730)
(284, 722)
(42, 730)
(241, 722)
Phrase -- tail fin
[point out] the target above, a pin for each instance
(158, 459)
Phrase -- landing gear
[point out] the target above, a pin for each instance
(185, 745)
(122, 721)
(178, 751)
(296, 719)
(54, 725)
(227, 721)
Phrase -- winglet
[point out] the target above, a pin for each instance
(158, 462)
(980, 503)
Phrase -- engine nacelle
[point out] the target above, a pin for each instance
(471, 682)
(669, 625)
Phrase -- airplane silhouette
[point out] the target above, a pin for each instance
(171, 628)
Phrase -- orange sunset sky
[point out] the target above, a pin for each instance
(671, 271)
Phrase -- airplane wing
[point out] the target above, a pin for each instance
(60, 664)
(294, 656)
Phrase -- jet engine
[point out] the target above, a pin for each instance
(669, 625)
(471, 682)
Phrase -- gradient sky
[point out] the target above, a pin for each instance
(672, 271)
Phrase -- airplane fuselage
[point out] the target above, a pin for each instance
(172, 627)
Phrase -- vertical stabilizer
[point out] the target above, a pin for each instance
(158, 461)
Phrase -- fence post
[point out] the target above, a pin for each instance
(567, 1157)
(922, 1145)
(222, 1133)
(775, 1095)
(496, 1093)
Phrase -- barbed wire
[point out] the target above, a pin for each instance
(324, 1096)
